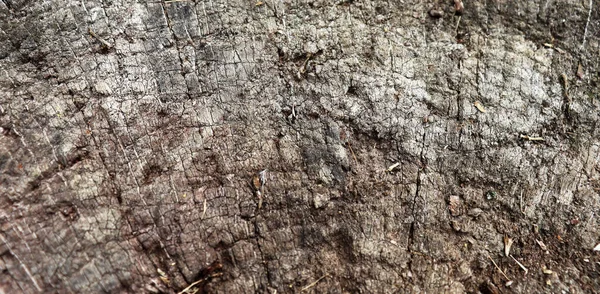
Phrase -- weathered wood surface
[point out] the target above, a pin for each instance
(131, 130)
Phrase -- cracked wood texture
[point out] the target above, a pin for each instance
(131, 132)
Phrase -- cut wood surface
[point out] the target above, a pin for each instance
(231, 146)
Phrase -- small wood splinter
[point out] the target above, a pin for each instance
(258, 181)
(520, 265)
(498, 268)
(102, 41)
(314, 283)
(530, 138)
(392, 167)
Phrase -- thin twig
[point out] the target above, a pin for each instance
(198, 282)
(191, 285)
(520, 264)
(457, 23)
(587, 24)
(351, 151)
(102, 41)
(314, 283)
(498, 268)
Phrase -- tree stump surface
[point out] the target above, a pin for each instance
(400, 148)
